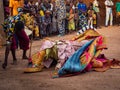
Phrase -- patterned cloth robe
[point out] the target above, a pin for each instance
(61, 15)
(9, 23)
(82, 8)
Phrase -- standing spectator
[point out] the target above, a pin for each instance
(71, 23)
(67, 15)
(54, 20)
(82, 9)
(97, 11)
(109, 15)
(47, 23)
(90, 16)
(14, 5)
(118, 12)
(61, 15)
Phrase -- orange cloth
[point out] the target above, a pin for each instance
(15, 4)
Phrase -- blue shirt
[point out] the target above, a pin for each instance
(82, 7)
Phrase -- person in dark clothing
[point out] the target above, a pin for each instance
(18, 37)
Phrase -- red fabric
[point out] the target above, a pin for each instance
(23, 40)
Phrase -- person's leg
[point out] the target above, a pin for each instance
(4, 65)
(111, 18)
(61, 27)
(14, 56)
(88, 23)
(91, 23)
(107, 17)
(24, 54)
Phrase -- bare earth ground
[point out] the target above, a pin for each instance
(14, 79)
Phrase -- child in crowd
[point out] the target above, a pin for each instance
(71, 23)
(42, 15)
(94, 21)
(47, 23)
(54, 22)
(67, 16)
(90, 17)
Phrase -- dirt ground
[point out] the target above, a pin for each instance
(13, 77)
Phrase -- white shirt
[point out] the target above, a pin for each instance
(109, 3)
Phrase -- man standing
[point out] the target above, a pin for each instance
(109, 15)
(61, 15)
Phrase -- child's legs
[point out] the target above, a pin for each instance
(91, 22)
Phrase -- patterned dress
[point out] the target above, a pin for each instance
(82, 8)
(61, 15)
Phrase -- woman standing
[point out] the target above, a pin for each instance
(61, 15)
(82, 9)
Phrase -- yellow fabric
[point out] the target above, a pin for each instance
(31, 24)
(86, 35)
(91, 13)
(94, 19)
(36, 31)
(52, 53)
(118, 13)
(71, 23)
(42, 13)
(38, 58)
(91, 56)
(14, 4)
(31, 70)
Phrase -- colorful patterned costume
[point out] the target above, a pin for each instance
(9, 24)
(81, 54)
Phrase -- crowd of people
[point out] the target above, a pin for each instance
(62, 16)
(48, 17)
